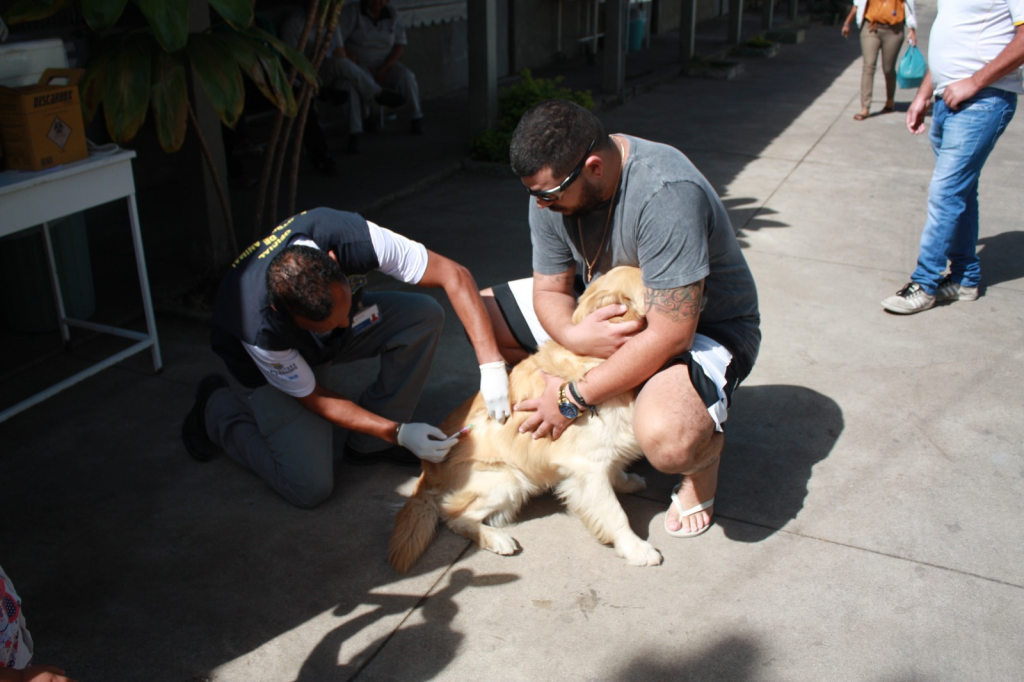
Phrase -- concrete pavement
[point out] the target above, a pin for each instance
(872, 486)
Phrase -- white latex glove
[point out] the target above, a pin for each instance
(494, 389)
(425, 441)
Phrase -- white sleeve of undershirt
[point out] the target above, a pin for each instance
(285, 370)
(399, 257)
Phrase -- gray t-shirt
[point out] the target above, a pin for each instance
(668, 221)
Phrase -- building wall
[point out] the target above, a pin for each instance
(439, 56)
(539, 38)
(669, 13)
(439, 53)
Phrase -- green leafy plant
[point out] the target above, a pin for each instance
(137, 70)
(759, 42)
(514, 101)
(699, 62)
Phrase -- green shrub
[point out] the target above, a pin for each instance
(513, 102)
(759, 42)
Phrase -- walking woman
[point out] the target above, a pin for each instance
(881, 24)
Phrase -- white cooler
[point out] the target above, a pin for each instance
(23, 63)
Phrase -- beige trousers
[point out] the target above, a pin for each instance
(888, 39)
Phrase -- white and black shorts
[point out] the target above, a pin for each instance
(710, 364)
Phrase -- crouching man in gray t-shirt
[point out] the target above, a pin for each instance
(605, 200)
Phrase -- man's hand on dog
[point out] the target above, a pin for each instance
(597, 336)
(546, 420)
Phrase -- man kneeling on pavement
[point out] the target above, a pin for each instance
(293, 304)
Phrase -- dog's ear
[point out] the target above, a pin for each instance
(619, 285)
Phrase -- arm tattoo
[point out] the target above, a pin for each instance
(678, 305)
(562, 280)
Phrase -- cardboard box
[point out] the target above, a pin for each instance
(41, 125)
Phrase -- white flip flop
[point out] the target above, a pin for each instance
(688, 512)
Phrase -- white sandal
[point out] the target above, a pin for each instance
(688, 512)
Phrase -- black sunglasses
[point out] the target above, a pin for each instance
(556, 193)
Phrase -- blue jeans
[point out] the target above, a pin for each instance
(962, 141)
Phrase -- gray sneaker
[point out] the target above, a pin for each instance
(951, 291)
(910, 299)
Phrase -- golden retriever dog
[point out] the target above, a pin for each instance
(491, 472)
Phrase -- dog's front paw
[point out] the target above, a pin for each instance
(642, 553)
(498, 541)
(631, 483)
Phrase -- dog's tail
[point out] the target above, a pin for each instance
(415, 526)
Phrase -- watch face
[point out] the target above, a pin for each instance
(568, 410)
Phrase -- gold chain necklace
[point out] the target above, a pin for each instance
(607, 221)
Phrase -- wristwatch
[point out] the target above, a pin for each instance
(565, 406)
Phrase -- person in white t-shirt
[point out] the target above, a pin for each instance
(296, 303)
(366, 50)
(976, 51)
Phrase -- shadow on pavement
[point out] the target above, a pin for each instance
(437, 612)
(747, 215)
(1000, 258)
(733, 658)
(776, 434)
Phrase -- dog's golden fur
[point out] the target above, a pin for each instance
(493, 471)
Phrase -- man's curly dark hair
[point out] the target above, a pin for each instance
(299, 282)
(555, 133)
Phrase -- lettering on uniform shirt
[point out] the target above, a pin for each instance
(280, 369)
(268, 244)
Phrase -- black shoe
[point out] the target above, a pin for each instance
(389, 98)
(416, 126)
(396, 454)
(371, 124)
(353, 143)
(193, 431)
(325, 165)
(333, 96)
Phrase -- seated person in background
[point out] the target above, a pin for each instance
(314, 138)
(371, 38)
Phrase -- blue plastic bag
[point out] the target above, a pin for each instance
(911, 69)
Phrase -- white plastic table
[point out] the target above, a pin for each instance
(30, 199)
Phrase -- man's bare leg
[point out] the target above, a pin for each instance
(507, 344)
(678, 436)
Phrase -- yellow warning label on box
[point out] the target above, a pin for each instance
(41, 125)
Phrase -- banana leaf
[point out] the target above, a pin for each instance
(278, 82)
(91, 86)
(169, 21)
(262, 66)
(237, 13)
(290, 54)
(33, 10)
(220, 75)
(102, 14)
(126, 82)
(170, 100)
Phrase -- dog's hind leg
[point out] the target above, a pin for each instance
(471, 526)
(589, 494)
(494, 494)
(627, 483)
